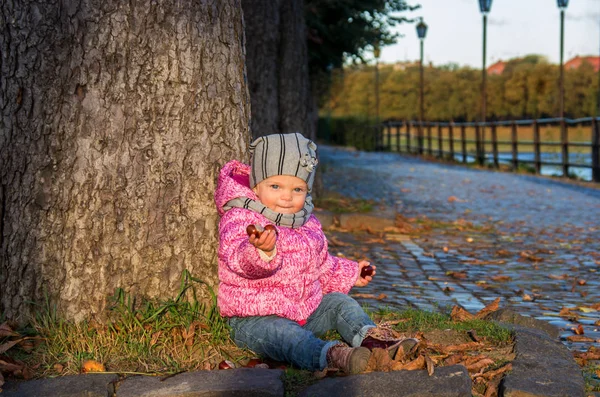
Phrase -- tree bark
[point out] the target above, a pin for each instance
(115, 118)
(262, 22)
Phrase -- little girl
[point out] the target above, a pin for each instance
(282, 290)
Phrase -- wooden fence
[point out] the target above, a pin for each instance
(541, 142)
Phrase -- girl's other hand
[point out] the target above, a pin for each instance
(363, 281)
(266, 241)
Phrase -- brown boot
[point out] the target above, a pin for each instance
(350, 360)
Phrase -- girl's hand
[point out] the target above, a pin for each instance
(363, 281)
(266, 241)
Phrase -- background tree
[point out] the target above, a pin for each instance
(115, 117)
(277, 62)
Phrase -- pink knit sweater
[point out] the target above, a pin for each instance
(292, 284)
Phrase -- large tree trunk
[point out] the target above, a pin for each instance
(261, 19)
(114, 119)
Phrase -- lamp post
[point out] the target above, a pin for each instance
(562, 5)
(484, 7)
(421, 33)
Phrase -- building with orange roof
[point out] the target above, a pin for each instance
(576, 62)
(496, 68)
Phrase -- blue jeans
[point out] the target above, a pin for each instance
(282, 339)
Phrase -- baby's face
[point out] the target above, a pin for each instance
(282, 193)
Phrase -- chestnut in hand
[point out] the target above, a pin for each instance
(271, 228)
(367, 271)
(251, 229)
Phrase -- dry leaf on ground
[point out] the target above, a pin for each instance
(418, 363)
(92, 366)
(370, 296)
(460, 314)
(492, 307)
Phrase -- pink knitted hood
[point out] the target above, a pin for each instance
(293, 282)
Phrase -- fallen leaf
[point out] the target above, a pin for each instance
(530, 256)
(455, 348)
(370, 296)
(9, 365)
(5, 346)
(492, 307)
(527, 298)
(460, 314)
(478, 365)
(580, 338)
(6, 330)
(457, 275)
(501, 278)
(418, 363)
(494, 373)
(92, 366)
(430, 365)
(492, 388)
(380, 361)
(578, 330)
(557, 277)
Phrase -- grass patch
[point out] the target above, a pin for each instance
(141, 336)
(412, 321)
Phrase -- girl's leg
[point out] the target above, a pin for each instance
(281, 339)
(340, 312)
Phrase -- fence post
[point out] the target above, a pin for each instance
(451, 139)
(407, 143)
(429, 148)
(440, 142)
(515, 146)
(595, 150)
(495, 146)
(564, 141)
(389, 139)
(537, 160)
(478, 146)
(463, 138)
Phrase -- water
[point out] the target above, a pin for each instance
(583, 173)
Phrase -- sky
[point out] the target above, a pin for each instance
(515, 28)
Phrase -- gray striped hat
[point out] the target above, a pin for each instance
(283, 154)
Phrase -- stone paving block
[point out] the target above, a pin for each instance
(91, 385)
(452, 381)
(247, 382)
(512, 317)
(543, 367)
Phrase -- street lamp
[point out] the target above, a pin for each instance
(484, 6)
(562, 5)
(421, 33)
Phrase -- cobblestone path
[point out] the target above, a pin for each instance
(533, 241)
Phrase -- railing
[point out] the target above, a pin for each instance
(466, 142)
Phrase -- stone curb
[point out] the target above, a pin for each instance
(542, 367)
(452, 381)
